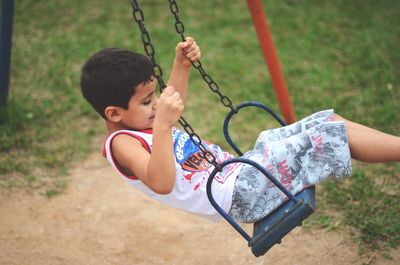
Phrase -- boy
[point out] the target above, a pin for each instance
(150, 153)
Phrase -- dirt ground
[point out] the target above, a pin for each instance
(100, 219)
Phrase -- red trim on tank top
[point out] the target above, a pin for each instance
(140, 139)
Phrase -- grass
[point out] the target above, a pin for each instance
(368, 203)
(371, 207)
(334, 54)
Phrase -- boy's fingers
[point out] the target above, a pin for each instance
(182, 46)
(171, 93)
(169, 90)
(191, 47)
(186, 45)
(176, 98)
(194, 54)
(189, 44)
(189, 39)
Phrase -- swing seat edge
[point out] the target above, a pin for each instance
(270, 230)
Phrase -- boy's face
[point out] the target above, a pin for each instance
(141, 107)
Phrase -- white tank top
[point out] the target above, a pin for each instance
(192, 171)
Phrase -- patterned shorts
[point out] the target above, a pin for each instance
(298, 155)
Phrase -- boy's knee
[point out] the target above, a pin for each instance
(337, 117)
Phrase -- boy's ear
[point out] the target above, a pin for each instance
(112, 113)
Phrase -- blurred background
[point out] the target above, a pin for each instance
(334, 54)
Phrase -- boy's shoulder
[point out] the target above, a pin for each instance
(123, 138)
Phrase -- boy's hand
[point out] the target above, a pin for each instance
(187, 52)
(169, 107)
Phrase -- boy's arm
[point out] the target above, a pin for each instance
(156, 170)
(185, 53)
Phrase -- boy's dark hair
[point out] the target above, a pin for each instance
(110, 76)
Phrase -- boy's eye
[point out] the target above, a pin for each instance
(147, 102)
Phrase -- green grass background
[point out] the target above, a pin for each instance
(334, 54)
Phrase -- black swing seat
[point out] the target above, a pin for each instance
(270, 230)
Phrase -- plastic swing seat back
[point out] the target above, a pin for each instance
(270, 230)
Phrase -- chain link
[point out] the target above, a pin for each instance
(148, 46)
(150, 51)
(180, 29)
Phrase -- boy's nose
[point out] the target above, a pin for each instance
(155, 103)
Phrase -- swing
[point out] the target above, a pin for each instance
(270, 230)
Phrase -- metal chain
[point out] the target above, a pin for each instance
(150, 51)
(137, 14)
(180, 29)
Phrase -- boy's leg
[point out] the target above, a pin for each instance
(370, 145)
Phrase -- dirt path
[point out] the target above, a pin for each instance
(102, 220)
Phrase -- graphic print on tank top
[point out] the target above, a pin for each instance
(195, 168)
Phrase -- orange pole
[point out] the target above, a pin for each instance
(271, 59)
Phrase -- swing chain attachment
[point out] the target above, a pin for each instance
(180, 29)
(150, 51)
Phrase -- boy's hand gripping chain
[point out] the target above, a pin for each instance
(149, 49)
(180, 29)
